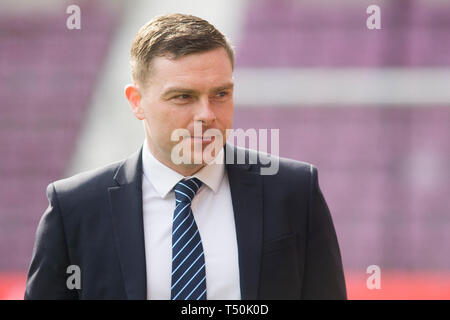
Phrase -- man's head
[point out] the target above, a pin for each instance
(173, 36)
(182, 69)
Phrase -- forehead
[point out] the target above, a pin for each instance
(197, 70)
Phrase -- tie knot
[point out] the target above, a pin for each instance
(185, 190)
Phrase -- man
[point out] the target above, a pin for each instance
(161, 225)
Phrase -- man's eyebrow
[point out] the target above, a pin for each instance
(226, 86)
(180, 90)
(171, 91)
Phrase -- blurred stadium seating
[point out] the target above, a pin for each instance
(384, 169)
(47, 73)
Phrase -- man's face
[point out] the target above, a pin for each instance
(194, 89)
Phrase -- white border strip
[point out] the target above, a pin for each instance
(342, 87)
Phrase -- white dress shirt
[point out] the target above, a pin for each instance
(213, 213)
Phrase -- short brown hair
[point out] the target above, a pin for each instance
(173, 36)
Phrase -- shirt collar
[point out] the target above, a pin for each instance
(164, 178)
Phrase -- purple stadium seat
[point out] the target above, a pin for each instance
(47, 73)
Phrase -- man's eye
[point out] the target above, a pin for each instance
(182, 96)
(222, 94)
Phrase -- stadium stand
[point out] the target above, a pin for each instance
(384, 169)
(46, 77)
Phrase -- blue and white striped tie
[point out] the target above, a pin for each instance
(188, 261)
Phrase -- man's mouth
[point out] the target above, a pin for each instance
(204, 139)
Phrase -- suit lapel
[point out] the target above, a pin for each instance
(127, 218)
(247, 195)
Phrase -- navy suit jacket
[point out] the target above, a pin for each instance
(287, 245)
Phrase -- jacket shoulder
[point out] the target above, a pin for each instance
(83, 181)
(84, 190)
(272, 165)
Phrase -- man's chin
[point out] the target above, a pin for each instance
(199, 156)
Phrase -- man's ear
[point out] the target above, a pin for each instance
(134, 98)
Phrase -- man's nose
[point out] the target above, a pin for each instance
(204, 112)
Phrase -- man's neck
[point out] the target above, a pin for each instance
(185, 170)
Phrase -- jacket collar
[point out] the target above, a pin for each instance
(247, 196)
(127, 221)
